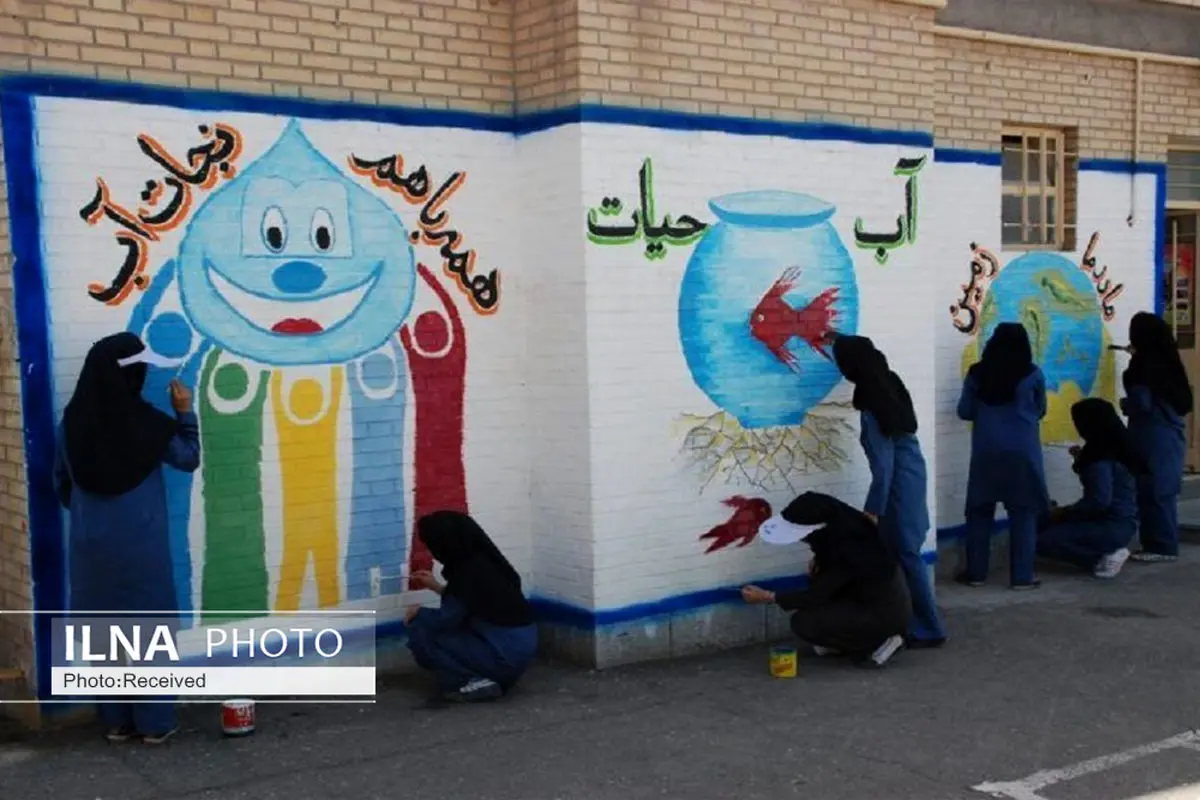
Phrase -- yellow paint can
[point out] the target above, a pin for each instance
(783, 662)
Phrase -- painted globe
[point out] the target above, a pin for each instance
(1057, 303)
(772, 374)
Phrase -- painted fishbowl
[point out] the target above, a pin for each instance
(761, 291)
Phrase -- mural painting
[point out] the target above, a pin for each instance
(1064, 307)
(764, 286)
(286, 310)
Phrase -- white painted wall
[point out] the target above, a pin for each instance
(576, 386)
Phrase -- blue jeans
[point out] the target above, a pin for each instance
(459, 655)
(1022, 543)
(147, 719)
(1159, 523)
(926, 623)
(1083, 544)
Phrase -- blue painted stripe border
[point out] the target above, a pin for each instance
(520, 124)
(952, 155)
(1160, 241)
(45, 530)
(558, 612)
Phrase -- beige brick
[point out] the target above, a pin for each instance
(50, 31)
(111, 55)
(196, 30)
(159, 44)
(287, 74)
(60, 14)
(202, 66)
(171, 9)
(284, 41)
(108, 19)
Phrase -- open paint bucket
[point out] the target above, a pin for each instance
(783, 662)
(237, 717)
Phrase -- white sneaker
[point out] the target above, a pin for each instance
(1110, 565)
(883, 654)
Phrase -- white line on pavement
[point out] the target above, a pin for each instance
(1028, 788)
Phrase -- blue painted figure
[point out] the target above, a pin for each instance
(108, 474)
(897, 497)
(174, 353)
(1093, 533)
(1157, 399)
(481, 640)
(1004, 395)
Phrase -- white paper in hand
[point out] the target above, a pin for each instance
(778, 531)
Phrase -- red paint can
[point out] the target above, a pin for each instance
(237, 717)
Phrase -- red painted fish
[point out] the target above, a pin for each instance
(774, 321)
(742, 524)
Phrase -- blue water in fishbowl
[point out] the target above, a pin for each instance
(1057, 304)
(758, 236)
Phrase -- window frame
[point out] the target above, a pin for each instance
(1042, 189)
(1189, 145)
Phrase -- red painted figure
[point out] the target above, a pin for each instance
(437, 362)
(774, 322)
(743, 524)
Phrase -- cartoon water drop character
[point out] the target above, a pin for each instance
(742, 525)
(774, 321)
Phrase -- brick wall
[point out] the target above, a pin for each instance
(859, 61)
(982, 85)
(432, 53)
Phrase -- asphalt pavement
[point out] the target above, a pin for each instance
(1070, 680)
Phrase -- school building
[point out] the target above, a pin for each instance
(508, 256)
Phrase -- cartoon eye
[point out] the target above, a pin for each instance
(760, 317)
(274, 229)
(321, 231)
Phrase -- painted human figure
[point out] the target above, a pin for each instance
(437, 360)
(1004, 396)
(174, 353)
(897, 497)
(1158, 398)
(376, 542)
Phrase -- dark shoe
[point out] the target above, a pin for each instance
(962, 578)
(924, 644)
(116, 735)
(1024, 587)
(1146, 557)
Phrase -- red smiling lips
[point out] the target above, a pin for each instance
(297, 327)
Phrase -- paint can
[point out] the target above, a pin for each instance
(237, 717)
(783, 662)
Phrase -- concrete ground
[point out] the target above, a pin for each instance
(1033, 681)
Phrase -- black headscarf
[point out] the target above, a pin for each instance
(847, 541)
(477, 573)
(1105, 437)
(1156, 363)
(876, 388)
(114, 439)
(1007, 360)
